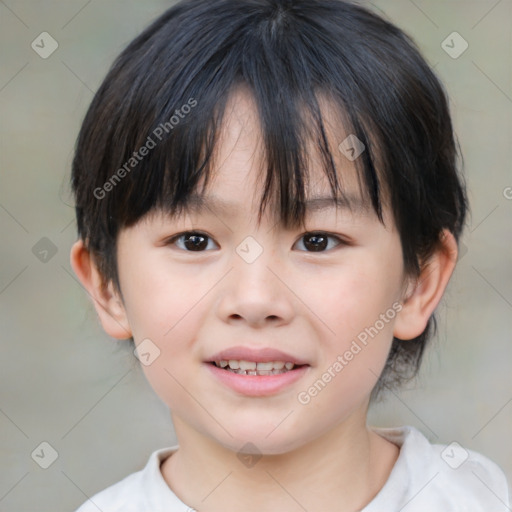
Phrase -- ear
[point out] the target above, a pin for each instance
(107, 301)
(423, 296)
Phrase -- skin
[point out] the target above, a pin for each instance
(318, 456)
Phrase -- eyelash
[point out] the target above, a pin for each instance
(340, 241)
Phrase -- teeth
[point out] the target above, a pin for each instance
(253, 368)
(257, 372)
(245, 365)
(265, 366)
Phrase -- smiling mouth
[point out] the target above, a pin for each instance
(257, 369)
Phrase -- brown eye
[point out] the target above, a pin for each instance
(191, 241)
(318, 242)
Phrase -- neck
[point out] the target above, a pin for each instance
(346, 467)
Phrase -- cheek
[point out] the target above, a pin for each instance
(163, 312)
(155, 299)
(349, 367)
(358, 304)
(353, 297)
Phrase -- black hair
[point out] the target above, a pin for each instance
(168, 89)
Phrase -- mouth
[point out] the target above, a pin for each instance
(242, 367)
(256, 372)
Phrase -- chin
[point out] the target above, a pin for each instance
(258, 441)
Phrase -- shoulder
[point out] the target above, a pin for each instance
(449, 477)
(124, 496)
(469, 477)
(141, 491)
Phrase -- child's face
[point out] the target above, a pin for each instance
(310, 305)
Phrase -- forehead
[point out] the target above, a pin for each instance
(317, 203)
(241, 177)
(239, 164)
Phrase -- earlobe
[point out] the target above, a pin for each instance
(107, 302)
(422, 298)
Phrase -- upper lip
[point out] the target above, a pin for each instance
(260, 355)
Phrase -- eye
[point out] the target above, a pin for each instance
(319, 241)
(193, 241)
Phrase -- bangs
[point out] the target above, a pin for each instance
(291, 132)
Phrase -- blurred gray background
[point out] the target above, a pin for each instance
(65, 383)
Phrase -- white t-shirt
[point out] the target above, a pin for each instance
(425, 478)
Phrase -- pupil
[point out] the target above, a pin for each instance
(199, 242)
(320, 243)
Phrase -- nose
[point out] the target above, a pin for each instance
(256, 293)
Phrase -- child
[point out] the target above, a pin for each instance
(268, 331)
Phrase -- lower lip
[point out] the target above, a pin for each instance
(257, 385)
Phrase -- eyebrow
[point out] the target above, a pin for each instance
(198, 204)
